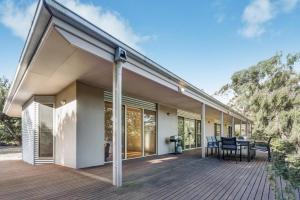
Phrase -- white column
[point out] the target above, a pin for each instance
(222, 124)
(117, 124)
(203, 130)
(233, 126)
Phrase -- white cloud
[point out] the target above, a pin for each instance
(288, 5)
(259, 12)
(18, 18)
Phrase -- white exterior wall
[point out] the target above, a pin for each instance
(65, 127)
(167, 126)
(79, 129)
(90, 126)
(28, 131)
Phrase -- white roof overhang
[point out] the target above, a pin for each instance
(61, 42)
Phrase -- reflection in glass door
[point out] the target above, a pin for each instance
(45, 130)
(189, 133)
(108, 137)
(181, 130)
(149, 132)
(198, 133)
(134, 133)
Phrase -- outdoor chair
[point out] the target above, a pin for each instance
(211, 144)
(218, 142)
(264, 146)
(229, 144)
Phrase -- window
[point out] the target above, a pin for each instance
(45, 130)
(230, 131)
(217, 129)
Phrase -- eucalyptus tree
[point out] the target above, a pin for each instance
(10, 127)
(269, 94)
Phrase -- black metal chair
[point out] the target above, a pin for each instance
(229, 144)
(264, 146)
(211, 144)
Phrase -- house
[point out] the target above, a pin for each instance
(86, 98)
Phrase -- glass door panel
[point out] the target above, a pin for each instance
(45, 130)
(149, 132)
(189, 133)
(181, 130)
(198, 133)
(134, 132)
(108, 136)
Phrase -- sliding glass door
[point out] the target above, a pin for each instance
(190, 131)
(108, 136)
(189, 134)
(134, 133)
(139, 132)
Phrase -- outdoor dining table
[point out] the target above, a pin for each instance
(244, 143)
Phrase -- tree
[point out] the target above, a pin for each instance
(10, 127)
(269, 94)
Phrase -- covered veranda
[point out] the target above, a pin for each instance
(63, 52)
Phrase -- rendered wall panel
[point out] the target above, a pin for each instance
(167, 126)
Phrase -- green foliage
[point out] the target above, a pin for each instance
(269, 94)
(10, 127)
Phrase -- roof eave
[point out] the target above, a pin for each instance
(48, 8)
(39, 23)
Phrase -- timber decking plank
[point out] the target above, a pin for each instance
(183, 176)
(229, 188)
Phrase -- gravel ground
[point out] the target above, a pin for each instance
(10, 153)
(10, 156)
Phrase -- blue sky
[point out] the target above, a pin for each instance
(204, 42)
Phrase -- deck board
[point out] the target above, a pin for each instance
(185, 176)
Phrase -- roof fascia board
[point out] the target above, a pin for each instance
(38, 26)
(24, 75)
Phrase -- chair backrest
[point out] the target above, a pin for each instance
(228, 142)
(208, 138)
(218, 138)
(241, 138)
(213, 139)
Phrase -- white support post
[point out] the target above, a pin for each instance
(120, 58)
(222, 124)
(233, 127)
(203, 130)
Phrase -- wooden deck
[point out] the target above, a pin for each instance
(186, 176)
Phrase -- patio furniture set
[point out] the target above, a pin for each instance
(234, 146)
